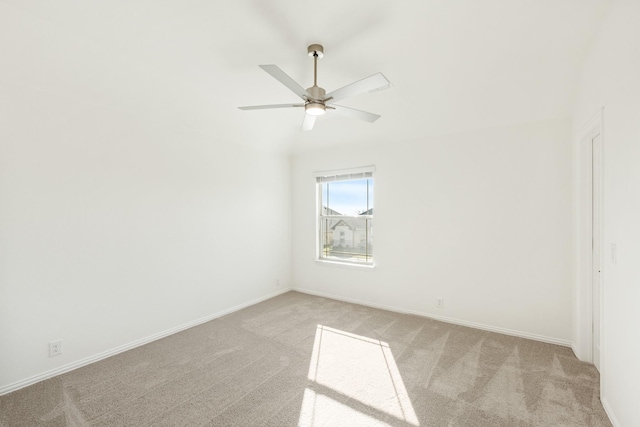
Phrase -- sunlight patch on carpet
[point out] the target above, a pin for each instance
(354, 378)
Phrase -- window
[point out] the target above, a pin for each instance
(345, 216)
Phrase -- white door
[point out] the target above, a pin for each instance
(596, 215)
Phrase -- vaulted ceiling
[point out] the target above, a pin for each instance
(455, 65)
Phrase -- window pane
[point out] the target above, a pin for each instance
(348, 239)
(353, 197)
(348, 235)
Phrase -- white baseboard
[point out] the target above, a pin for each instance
(489, 328)
(112, 352)
(575, 351)
(609, 411)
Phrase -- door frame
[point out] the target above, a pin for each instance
(583, 330)
(596, 251)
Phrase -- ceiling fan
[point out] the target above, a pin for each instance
(316, 101)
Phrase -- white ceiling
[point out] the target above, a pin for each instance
(455, 65)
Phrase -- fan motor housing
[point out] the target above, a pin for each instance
(316, 92)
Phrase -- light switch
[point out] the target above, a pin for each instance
(614, 253)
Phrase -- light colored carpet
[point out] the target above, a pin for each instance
(303, 360)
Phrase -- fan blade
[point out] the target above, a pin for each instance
(283, 78)
(368, 84)
(355, 114)
(308, 122)
(264, 107)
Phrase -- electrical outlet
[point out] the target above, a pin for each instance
(277, 283)
(439, 302)
(55, 348)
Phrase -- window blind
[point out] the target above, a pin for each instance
(344, 175)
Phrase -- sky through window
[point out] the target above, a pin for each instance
(348, 197)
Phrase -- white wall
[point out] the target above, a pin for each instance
(612, 80)
(482, 219)
(113, 229)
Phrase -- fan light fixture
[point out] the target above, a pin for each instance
(315, 108)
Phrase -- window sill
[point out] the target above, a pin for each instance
(326, 263)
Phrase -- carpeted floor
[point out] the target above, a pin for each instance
(303, 360)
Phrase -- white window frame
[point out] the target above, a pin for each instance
(366, 172)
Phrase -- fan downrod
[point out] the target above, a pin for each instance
(315, 106)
